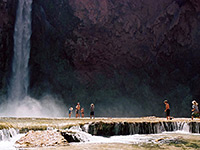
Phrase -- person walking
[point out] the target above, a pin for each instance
(167, 109)
(195, 110)
(70, 111)
(92, 111)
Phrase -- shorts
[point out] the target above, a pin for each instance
(77, 111)
(168, 112)
(92, 113)
(195, 114)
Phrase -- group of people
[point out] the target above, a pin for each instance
(79, 110)
(195, 110)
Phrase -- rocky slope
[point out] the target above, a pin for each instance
(121, 54)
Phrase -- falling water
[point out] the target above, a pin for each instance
(22, 34)
(7, 134)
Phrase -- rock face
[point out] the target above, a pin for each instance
(7, 15)
(125, 35)
(122, 55)
(195, 127)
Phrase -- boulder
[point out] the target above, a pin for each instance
(41, 139)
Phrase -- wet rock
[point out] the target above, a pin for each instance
(41, 139)
(194, 127)
(128, 128)
(70, 136)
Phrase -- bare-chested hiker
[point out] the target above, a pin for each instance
(167, 109)
(78, 107)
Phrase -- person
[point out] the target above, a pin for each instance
(167, 109)
(82, 112)
(70, 111)
(92, 111)
(78, 109)
(195, 109)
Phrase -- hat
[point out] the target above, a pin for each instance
(165, 101)
(193, 102)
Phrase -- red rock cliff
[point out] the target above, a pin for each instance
(127, 34)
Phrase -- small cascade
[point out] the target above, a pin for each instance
(125, 128)
(194, 127)
(85, 128)
(7, 134)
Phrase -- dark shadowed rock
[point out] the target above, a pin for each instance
(7, 15)
(127, 54)
(70, 136)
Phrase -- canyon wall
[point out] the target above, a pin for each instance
(125, 56)
(7, 20)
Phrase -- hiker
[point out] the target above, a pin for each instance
(82, 112)
(167, 109)
(78, 109)
(70, 111)
(92, 111)
(195, 110)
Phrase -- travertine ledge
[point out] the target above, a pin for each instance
(26, 124)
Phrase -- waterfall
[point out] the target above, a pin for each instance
(22, 33)
(6, 134)
(125, 128)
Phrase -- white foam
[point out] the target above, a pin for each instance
(10, 144)
(127, 139)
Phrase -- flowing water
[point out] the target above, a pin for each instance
(113, 142)
(89, 141)
(22, 33)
